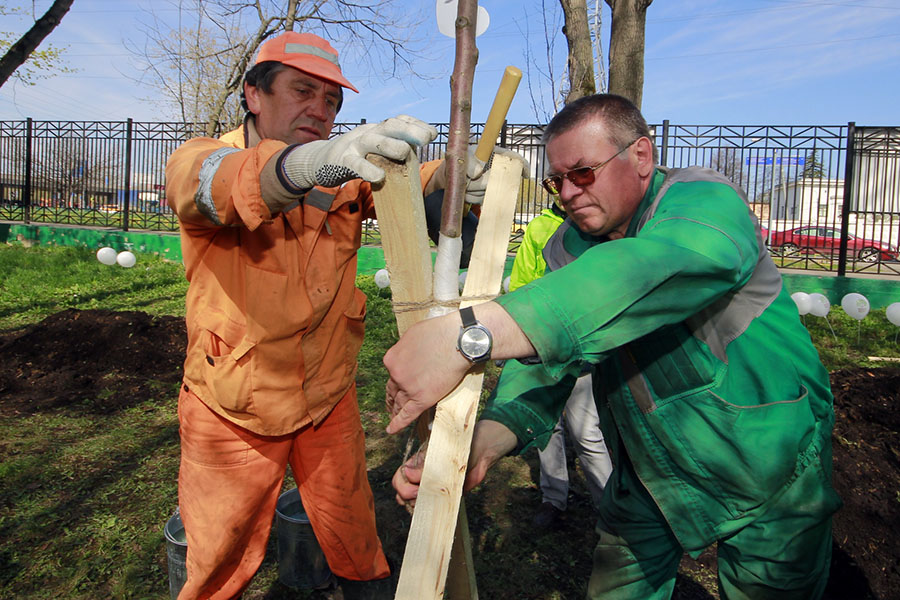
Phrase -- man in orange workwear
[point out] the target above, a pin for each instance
(270, 218)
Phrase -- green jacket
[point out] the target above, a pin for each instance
(529, 263)
(705, 374)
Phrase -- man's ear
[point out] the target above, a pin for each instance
(251, 94)
(643, 153)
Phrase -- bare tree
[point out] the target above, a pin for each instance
(540, 71)
(626, 48)
(581, 31)
(581, 56)
(200, 66)
(727, 161)
(19, 52)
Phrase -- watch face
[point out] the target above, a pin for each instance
(475, 342)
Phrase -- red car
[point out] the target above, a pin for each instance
(827, 240)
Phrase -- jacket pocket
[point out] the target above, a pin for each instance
(226, 368)
(741, 454)
(673, 363)
(354, 318)
(344, 226)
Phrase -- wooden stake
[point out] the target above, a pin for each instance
(404, 237)
(407, 254)
(428, 547)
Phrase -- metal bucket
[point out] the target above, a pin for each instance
(176, 553)
(301, 563)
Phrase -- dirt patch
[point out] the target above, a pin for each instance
(100, 362)
(866, 446)
(93, 361)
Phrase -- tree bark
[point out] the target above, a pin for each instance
(626, 48)
(291, 15)
(19, 52)
(460, 117)
(581, 57)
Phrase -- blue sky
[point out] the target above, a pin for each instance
(715, 62)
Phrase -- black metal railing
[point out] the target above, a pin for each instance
(840, 182)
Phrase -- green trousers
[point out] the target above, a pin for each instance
(784, 555)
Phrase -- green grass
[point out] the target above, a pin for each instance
(85, 499)
(843, 341)
(37, 282)
(81, 495)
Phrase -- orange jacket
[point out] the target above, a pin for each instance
(274, 318)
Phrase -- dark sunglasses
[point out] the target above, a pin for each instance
(582, 176)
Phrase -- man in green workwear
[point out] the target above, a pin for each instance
(713, 401)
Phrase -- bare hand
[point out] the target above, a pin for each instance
(491, 441)
(424, 366)
(407, 478)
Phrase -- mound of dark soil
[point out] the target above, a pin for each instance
(866, 444)
(100, 362)
(93, 361)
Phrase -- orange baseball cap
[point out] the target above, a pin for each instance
(308, 53)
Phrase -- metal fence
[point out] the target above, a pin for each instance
(827, 196)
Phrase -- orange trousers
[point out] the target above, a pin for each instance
(230, 480)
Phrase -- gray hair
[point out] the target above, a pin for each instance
(622, 120)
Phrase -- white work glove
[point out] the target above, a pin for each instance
(477, 175)
(477, 185)
(330, 163)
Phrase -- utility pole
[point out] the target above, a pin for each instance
(595, 18)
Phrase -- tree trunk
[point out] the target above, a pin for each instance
(626, 48)
(461, 82)
(581, 57)
(291, 15)
(19, 52)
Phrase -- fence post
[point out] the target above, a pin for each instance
(127, 204)
(503, 139)
(664, 151)
(26, 193)
(845, 205)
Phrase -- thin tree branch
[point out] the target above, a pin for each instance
(460, 117)
(19, 52)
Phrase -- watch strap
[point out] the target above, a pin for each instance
(467, 315)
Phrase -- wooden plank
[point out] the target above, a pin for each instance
(428, 547)
(461, 583)
(404, 237)
(407, 254)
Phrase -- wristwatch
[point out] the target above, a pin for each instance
(474, 341)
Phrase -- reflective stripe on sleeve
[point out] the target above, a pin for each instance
(203, 198)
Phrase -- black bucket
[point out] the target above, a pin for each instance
(301, 563)
(176, 553)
